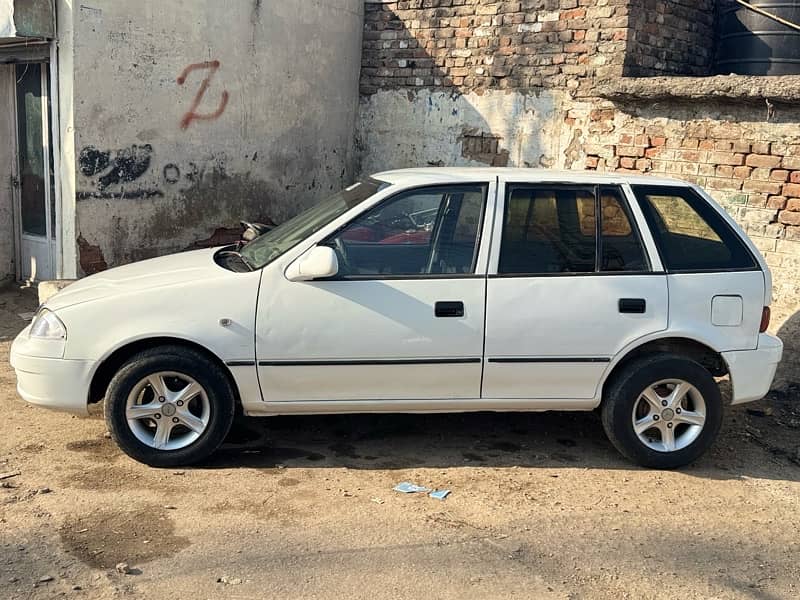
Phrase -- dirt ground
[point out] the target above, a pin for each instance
(541, 507)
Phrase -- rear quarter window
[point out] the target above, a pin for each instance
(690, 234)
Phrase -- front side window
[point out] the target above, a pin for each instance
(549, 229)
(429, 231)
(690, 234)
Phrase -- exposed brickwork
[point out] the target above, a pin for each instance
(520, 44)
(675, 37)
(506, 44)
(90, 257)
(483, 147)
(566, 52)
(744, 168)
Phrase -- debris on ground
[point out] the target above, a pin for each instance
(46, 578)
(123, 568)
(410, 488)
(9, 474)
(759, 412)
(229, 580)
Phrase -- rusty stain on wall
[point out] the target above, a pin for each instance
(90, 257)
(191, 115)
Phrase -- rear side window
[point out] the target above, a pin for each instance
(551, 229)
(691, 235)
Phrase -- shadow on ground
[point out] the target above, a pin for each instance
(530, 440)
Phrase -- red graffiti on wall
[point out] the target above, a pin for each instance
(191, 115)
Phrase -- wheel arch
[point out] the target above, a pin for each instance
(694, 349)
(109, 365)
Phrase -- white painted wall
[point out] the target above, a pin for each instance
(7, 28)
(283, 139)
(398, 128)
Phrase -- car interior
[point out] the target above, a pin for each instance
(416, 234)
(554, 230)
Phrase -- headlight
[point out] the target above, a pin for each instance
(48, 326)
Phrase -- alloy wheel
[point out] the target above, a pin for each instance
(669, 415)
(167, 410)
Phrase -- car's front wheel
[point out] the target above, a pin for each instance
(169, 406)
(662, 411)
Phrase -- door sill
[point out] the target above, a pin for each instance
(448, 405)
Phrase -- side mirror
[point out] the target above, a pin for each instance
(318, 263)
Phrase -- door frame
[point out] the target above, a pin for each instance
(52, 191)
(55, 137)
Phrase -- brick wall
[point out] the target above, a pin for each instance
(519, 83)
(508, 44)
(752, 168)
(522, 44)
(675, 37)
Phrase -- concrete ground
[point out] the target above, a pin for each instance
(541, 507)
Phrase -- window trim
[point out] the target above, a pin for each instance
(728, 233)
(596, 189)
(624, 203)
(485, 187)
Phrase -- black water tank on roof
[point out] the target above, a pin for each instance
(754, 44)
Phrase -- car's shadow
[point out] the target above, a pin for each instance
(530, 440)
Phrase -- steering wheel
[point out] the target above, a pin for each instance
(403, 222)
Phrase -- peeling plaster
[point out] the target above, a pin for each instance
(401, 129)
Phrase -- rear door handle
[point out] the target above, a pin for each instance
(636, 306)
(449, 309)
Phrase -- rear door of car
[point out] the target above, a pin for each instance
(566, 291)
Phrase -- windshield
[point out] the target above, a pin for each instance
(266, 248)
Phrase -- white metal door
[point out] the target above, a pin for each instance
(563, 305)
(390, 335)
(369, 340)
(553, 337)
(8, 160)
(33, 182)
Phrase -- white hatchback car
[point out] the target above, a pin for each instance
(427, 290)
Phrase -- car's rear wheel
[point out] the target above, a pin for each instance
(169, 406)
(662, 411)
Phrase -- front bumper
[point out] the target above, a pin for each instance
(54, 383)
(752, 371)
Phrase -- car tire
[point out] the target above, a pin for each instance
(169, 406)
(650, 420)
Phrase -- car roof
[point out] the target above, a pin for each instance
(437, 175)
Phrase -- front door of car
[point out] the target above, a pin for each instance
(570, 285)
(403, 318)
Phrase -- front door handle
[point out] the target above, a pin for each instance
(449, 309)
(637, 306)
